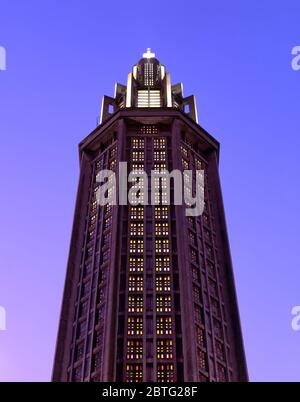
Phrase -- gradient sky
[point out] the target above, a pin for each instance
(235, 56)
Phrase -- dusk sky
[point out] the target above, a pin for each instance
(235, 57)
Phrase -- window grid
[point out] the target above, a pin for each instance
(136, 264)
(135, 304)
(134, 349)
(163, 303)
(164, 325)
(138, 143)
(165, 373)
(135, 283)
(164, 349)
(134, 373)
(162, 264)
(163, 283)
(134, 326)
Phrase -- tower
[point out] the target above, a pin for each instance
(149, 292)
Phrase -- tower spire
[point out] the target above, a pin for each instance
(148, 54)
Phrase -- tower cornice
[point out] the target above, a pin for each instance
(149, 116)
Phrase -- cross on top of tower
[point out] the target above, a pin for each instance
(148, 54)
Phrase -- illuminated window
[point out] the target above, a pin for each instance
(135, 304)
(194, 256)
(196, 294)
(200, 336)
(198, 313)
(162, 245)
(99, 164)
(161, 229)
(199, 164)
(205, 219)
(159, 143)
(113, 152)
(164, 325)
(110, 193)
(136, 264)
(195, 274)
(184, 151)
(162, 264)
(135, 326)
(187, 180)
(108, 222)
(164, 349)
(207, 235)
(135, 283)
(165, 373)
(93, 219)
(158, 199)
(94, 206)
(161, 212)
(148, 129)
(163, 303)
(136, 246)
(136, 229)
(108, 209)
(138, 156)
(134, 349)
(160, 167)
(137, 213)
(163, 283)
(96, 362)
(134, 373)
(185, 164)
(137, 168)
(148, 75)
(112, 165)
(192, 238)
(137, 143)
(160, 183)
(148, 98)
(137, 196)
(191, 221)
(159, 156)
(91, 233)
(202, 360)
(89, 251)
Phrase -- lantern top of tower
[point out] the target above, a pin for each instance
(148, 54)
(148, 86)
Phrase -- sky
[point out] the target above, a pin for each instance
(235, 57)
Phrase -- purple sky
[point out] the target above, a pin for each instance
(235, 56)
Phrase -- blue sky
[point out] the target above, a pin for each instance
(235, 57)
